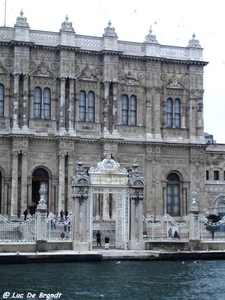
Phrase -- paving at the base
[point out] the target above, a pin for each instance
(101, 254)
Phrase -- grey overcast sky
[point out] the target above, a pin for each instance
(173, 22)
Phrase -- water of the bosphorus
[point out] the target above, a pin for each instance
(119, 280)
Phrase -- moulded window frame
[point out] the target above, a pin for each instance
(2, 98)
(129, 110)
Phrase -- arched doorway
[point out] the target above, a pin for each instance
(107, 198)
(173, 195)
(39, 176)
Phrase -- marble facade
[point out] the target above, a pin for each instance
(66, 98)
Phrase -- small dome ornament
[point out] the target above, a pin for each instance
(193, 42)
(66, 25)
(21, 20)
(110, 31)
(151, 38)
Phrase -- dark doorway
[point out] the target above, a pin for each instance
(39, 176)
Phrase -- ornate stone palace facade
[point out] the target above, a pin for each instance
(66, 98)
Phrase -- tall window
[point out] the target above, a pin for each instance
(173, 112)
(173, 195)
(216, 175)
(46, 103)
(86, 106)
(1, 100)
(42, 103)
(129, 110)
(91, 107)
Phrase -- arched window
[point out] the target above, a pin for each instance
(42, 103)
(37, 102)
(91, 107)
(129, 110)
(173, 195)
(46, 103)
(169, 108)
(125, 110)
(173, 113)
(133, 110)
(177, 118)
(86, 106)
(82, 106)
(1, 100)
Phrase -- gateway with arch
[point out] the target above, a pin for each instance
(110, 199)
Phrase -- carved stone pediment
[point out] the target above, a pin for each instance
(174, 83)
(87, 74)
(129, 79)
(43, 70)
(108, 172)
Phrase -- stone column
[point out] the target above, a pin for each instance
(14, 191)
(62, 105)
(80, 228)
(132, 220)
(113, 207)
(70, 174)
(157, 113)
(71, 107)
(25, 102)
(61, 199)
(24, 182)
(140, 220)
(76, 207)
(105, 108)
(16, 102)
(4, 204)
(105, 214)
(84, 221)
(29, 192)
(164, 201)
(194, 220)
(97, 206)
(41, 215)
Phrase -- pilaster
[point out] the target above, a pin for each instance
(24, 198)
(14, 191)
(61, 182)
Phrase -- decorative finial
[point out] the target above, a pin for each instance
(151, 38)
(67, 26)
(194, 42)
(21, 20)
(150, 30)
(110, 31)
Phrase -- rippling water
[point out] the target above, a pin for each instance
(138, 280)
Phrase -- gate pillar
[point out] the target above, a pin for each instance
(136, 182)
(194, 231)
(41, 215)
(80, 189)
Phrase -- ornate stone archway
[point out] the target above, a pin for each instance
(92, 192)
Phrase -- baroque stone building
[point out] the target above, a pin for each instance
(66, 98)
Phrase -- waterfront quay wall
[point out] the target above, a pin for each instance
(41, 246)
(195, 245)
